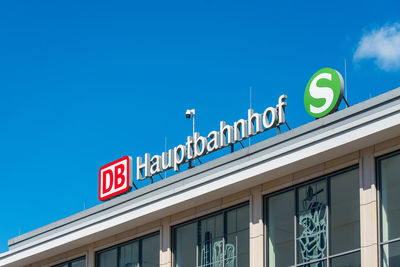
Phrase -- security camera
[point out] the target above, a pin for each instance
(189, 113)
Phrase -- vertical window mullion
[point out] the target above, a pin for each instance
(198, 246)
(140, 253)
(118, 255)
(225, 236)
(328, 217)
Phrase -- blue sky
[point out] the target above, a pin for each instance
(84, 83)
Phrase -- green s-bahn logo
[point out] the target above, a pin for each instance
(323, 93)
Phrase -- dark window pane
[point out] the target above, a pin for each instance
(243, 245)
(243, 217)
(344, 212)
(150, 251)
(231, 221)
(231, 256)
(390, 198)
(311, 193)
(349, 260)
(211, 248)
(129, 254)
(281, 229)
(220, 240)
(211, 227)
(237, 240)
(316, 264)
(79, 263)
(234, 249)
(312, 221)
(219, 226)
(391, 254)
(108, 258)
(185, 245)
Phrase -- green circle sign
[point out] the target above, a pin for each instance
(323, 93)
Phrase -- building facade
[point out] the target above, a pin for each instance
(323, 194)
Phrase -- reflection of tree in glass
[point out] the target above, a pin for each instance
(313, 220)
(230, 255)
(212, 254)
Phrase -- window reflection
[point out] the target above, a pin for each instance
(303, 221)
(144, 252)
(81, 262)
(312, 221)
(215, 241)
(388, 171)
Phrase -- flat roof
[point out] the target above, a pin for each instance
(348, 129)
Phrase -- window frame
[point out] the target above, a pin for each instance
(295, 188)
(69, 262)
(379, 203)
(198, 219)
(119, 245)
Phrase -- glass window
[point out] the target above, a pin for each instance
(128, 255)
(144, 252)
(348, 260)
(316, 221)
(185, 245)
(218, 240)
(281, 229)
(81, 262)
(391, 254)
(78, 263)
(108, 258)
(390, 187)
(211, 241)
(344, 212)
(388, 173)
(150, 256)
(237, 238)
(311, 222)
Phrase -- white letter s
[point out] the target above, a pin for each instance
(321, 92)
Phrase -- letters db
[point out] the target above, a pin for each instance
(115, 178)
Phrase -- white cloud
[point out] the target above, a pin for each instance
(383, 45)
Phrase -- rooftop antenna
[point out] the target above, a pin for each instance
(345, 83)
(345, 78)
(190, 114)
(250, 88)
(250, 95)
(165, 149)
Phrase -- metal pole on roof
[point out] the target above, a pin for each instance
(165, 149)
(345, 78)
(250, 108)
(193, 125)
(345, 83)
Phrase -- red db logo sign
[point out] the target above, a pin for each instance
(115, 178)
